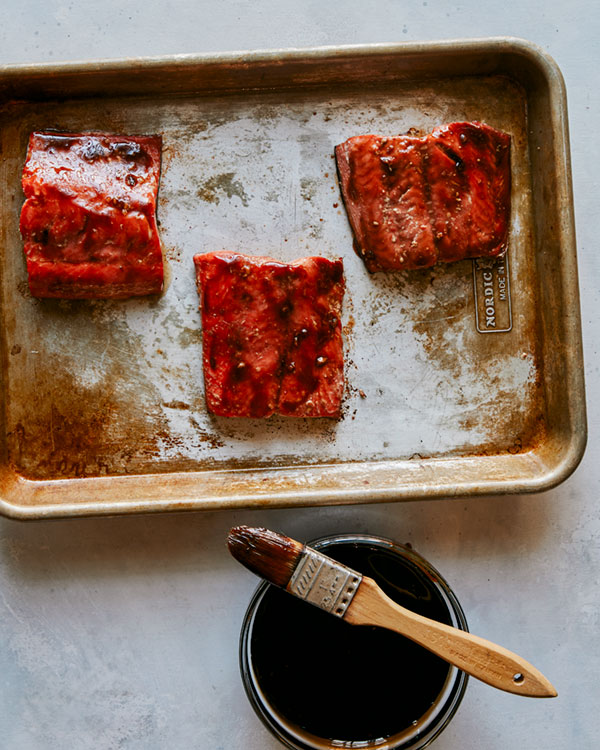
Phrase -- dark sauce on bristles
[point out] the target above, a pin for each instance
(270, 555)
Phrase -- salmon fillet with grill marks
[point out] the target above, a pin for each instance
(88, 221)
(413, 202)
(272, 335)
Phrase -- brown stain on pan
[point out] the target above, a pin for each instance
(75, 430)
(82, 404)
(78, 430)
(511, 418)
(73, 423)
(222, 185)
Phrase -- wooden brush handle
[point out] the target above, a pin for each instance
(480, 658)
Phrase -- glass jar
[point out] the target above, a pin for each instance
(317, 682)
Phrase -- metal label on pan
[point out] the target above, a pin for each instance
(491, 286)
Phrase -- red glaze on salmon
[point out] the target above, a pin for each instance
(272, 335)
(89, 218)
(413, 202)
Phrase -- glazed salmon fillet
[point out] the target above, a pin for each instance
(89, 218)
(272, 335)
(416, 201)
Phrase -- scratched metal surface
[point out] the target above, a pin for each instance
(107, 388)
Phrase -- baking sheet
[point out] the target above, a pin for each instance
(103, 400)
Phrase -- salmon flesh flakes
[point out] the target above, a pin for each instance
(416, 201)
(272, 335)
(88, 221)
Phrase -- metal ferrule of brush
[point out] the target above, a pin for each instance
(324, 582)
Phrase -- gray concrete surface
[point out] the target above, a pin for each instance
(123, 632)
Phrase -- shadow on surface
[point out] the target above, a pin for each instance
(479, 529)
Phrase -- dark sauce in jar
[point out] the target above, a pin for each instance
(344, 682)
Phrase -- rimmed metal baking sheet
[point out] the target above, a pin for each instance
(461, 379)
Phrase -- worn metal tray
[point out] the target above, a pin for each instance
(463, 379)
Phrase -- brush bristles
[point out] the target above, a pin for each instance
(271, 556)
